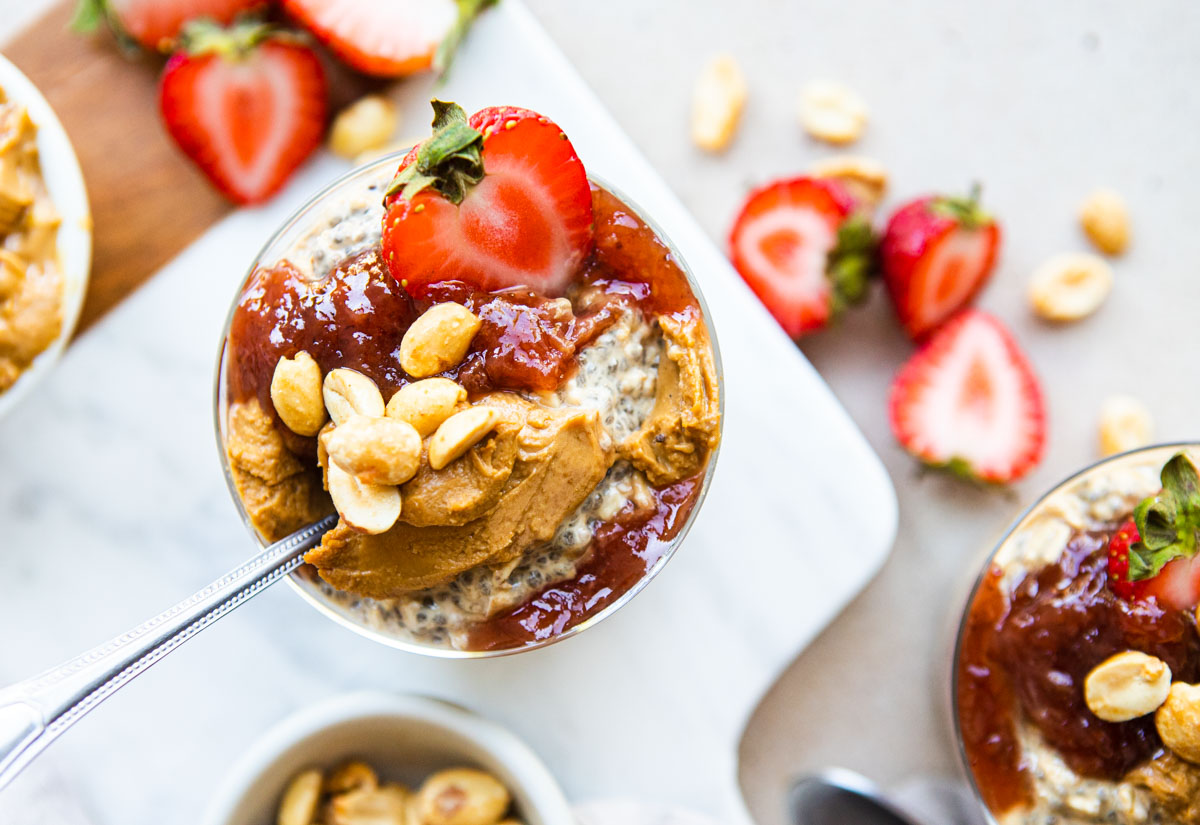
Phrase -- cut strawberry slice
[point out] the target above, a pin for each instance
(1176, 587)
(969, 401)
(500, 201)
(154, 24)
(388, 39)
(936, 255)
(797, 245)
(247, 104)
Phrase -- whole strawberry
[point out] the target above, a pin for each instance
(500, 200)
(936, 254)
(804, 250)
(246, 103)
(154, 24)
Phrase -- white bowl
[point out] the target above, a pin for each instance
(64, 180)
(405, 738)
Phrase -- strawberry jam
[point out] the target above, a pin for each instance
(1026, 658)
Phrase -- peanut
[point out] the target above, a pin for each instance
(1125, 424)
(296, 394)
(832, 113)
(461, 796)
(347, 393)
(426, 404)
(367, 508)
(299, 803)
(365, 124)
(717, 102)
(375, 450)
(350, 776)
(1126, 686)
(1178, 721)
(1070, 286)
(864, 178)
(386, 805)
(438, 340)
(1105, 220)
(459, 433)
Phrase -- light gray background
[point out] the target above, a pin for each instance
(1040, 102)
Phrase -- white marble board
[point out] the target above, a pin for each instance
(112, 506)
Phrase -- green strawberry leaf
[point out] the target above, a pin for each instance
(451, 160)
(1169, 522)
(851, 262)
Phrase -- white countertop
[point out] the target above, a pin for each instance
(1040, 102)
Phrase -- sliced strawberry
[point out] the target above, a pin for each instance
(499, 201)
(247, 104)
(799, 247)
(969, 401)
(1176, 587)
(388, 39)
(155, 24)
(936, 254)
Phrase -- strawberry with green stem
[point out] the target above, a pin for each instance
(154, 24)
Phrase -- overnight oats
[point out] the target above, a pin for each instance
(31, 280)
(1077, 661)
(493, 370)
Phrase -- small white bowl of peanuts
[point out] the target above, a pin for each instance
(382, 759)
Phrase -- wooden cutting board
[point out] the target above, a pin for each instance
(148, 201)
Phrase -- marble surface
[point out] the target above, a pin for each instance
(113, 503)
(1041, 102)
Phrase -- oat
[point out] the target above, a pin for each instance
(865, 179)
(296, 394)
(1105, 220)
(368, 508)
(426, 404)
(717, 102)
(367, 123)
(459, 433)
(347, 393)
(299, 803)
(1126, 686)
(1125, 424)
(384, 451)
(832, 113)
(438, 340)
(1070, 286)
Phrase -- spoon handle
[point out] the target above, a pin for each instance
(35, 712)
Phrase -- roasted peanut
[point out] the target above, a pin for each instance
(296, 394)
(1069, 287)
(426, 404)
(832, 113)
(1126, 686)
(459, 433)
(347, 392)
(298, 806)
(1125, 424)
(1105, 220)
(367, 123)
(1178, 721)
(367, 508)
(351, 776)
(865, 179)
(461, 796)
(385, 805)
(717, 102)
(438, 340)
(375, 450)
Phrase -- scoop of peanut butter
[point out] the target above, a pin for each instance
(506, 494)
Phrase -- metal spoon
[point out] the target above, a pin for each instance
(37, 711)
(840, 797)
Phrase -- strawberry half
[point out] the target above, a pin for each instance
(246, 103)
(499, 201)
(969, 401)
(154, 24)
(392, 38)
(800, 247)
(1154, 555)
(936, 255)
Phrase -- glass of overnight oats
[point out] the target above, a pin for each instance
(1075, 670)
(503, 380)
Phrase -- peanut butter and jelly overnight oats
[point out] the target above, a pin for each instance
(1078, 658)
(501, 380)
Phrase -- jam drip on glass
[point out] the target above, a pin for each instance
(1058, 624)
